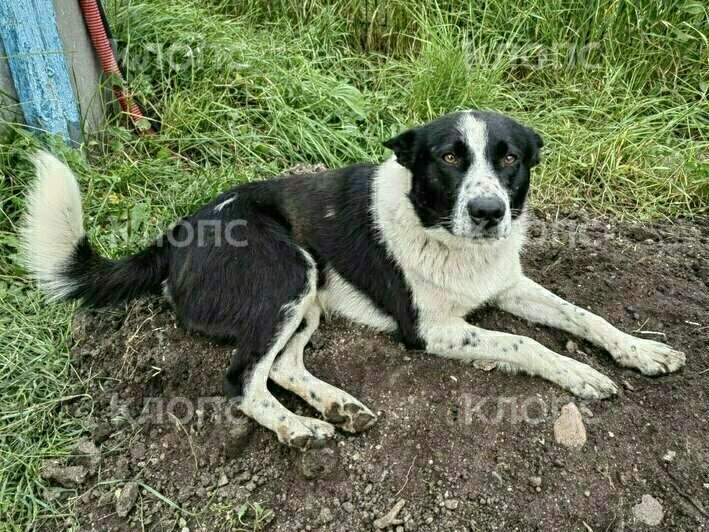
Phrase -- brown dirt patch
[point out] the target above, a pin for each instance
(457, 467)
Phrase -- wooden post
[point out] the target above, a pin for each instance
(38, 67)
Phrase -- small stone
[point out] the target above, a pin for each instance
(569, 429)
(587, 493)
(325, 516)
(66, 476)
(391, 517)
(571, 347)
(628, 386)
(126, 499)
(102, 432)
(223, 480)
(318, 463)
(669, 456)
(451, 504)
(485, 365)
(648, 511)
(586, 411)
(535, 481)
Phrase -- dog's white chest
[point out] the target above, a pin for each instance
(452, 281)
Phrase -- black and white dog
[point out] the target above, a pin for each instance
(410, 246)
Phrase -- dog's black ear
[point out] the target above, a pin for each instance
(536, 144)
(404, 147)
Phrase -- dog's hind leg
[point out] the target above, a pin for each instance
(247, 380)
(288, 371)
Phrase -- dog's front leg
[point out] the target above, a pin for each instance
(456, 338)
(531, 301)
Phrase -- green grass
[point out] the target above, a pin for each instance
(245, 89)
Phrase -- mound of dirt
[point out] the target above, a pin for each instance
(463, 448)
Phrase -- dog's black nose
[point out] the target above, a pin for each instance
(489, 209)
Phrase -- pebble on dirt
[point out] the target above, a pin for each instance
(669, 456)
(65, 476)
(569, 429)
(390, 518)
(648, 511)
(126, 499)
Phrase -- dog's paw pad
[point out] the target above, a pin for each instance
(352, 417)
(333, 414)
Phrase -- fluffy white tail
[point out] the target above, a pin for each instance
(53, 226)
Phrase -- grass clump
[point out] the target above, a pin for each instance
(244, 90)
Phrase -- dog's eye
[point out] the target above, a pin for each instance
(449, 158)
(510, 160)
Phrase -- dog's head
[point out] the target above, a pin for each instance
(470, 171)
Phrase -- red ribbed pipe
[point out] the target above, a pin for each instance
(99, 38)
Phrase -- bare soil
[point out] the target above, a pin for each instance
(466, 449)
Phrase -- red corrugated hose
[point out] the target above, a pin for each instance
(99, 34)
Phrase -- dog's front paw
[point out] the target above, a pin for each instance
(304, 432)
(583, 381)
(647, 356)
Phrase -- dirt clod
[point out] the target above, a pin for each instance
(88, 455)
(127, 499)
(66, 476)
(317, 463)
(476, 439)
(237, 437)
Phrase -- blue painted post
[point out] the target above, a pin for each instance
(38, 66)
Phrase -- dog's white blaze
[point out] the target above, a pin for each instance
(479, 180)
(448, 275)
(52, 225)
(341, 298)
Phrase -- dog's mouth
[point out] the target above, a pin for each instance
(482, 235)
(490, 235)
(485, 233)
